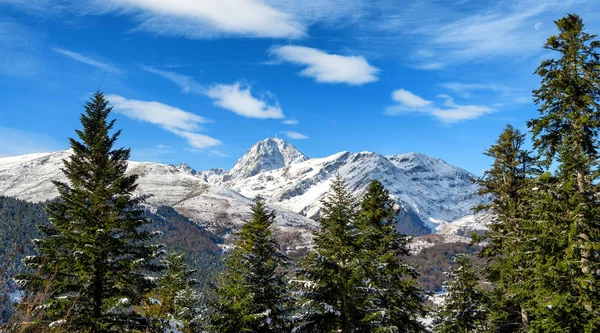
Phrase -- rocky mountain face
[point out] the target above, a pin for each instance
(431, 192)
(266, 155)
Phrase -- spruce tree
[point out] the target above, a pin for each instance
(465, 303)
(567, 129)
(395, 301)
(508, 184)
(331, 296)
(178, 300)
(93, 262)
(254, 294)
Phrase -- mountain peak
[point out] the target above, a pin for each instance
(268, 154)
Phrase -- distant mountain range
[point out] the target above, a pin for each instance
(430, 192)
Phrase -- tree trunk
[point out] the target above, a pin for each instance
(581, 180)
(524, 319)
(97, 294)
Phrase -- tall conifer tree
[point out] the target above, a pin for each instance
(508, 243)
(465, 304)
(568, 128)
(254, 294)
(329, 280)
(93, 260)
(394, 300)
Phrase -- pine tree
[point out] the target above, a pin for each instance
(567, 128)
(395, 301)
(93, 262)
(508, 243)
(254, 294)
(329, 279)
(465, 303)
(178, 299)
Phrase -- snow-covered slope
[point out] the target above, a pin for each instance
(30, 177)
(436, 191)
(274, 169)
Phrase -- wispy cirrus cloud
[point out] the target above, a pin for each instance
(209, 18)
(238, 99)
(19, 53)
(295, 135)
(503, 93)
(186, 83)
(86, 60)
(447, 112)
(179, 122)
(459, 32)
(327, 68)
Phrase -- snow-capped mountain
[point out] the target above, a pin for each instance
(290, 182)
(433, 189)
(266, 155)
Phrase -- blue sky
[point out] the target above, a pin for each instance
(201, 81)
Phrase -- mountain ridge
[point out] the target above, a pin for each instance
(289, 181)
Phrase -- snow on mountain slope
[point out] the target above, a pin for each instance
(266, 155)
(29, 177)
(275, 170)
(436, 191)
(456, 231)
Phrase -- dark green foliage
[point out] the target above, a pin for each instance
(509, 242)
(567, 207)
(18, 226)
(569, 93)
(394, 299)
(432, 262)
(465, 304)
(17, 220)
(254, 294)
(93, 260)
(179, 299)
(329, 280)
(183, 235)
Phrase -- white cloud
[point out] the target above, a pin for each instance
(186, 83)
(452, 112)
(290, 122)
(235, 97)
(157, 113)
(328, 68)
(447, 112)
(209, 18)
(86, 60)
(295, 135)
(239, 99)
(409, 99)
(172, 119)
(198, 140)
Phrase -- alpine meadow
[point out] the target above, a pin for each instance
(104, 229)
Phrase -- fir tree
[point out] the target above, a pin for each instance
(395, 301)
(92, 262)
(179, 301)
(329, 280)
(508, 243)
(567, 128)
(254, 294)
(464, 308)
